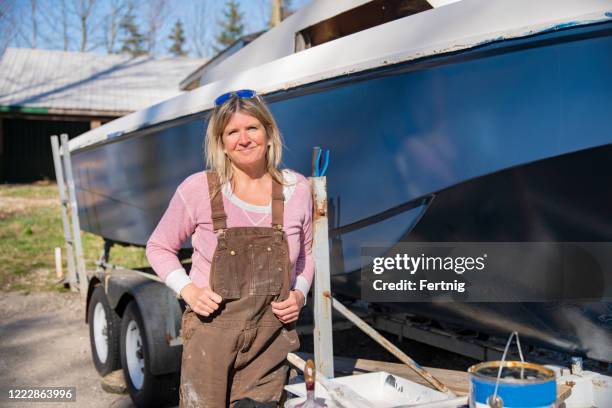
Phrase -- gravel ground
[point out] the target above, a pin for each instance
(44, 341)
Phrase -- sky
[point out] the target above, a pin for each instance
(200, 18)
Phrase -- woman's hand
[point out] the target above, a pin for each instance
(288, 310)
(202, 301)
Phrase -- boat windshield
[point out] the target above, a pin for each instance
(368, 15)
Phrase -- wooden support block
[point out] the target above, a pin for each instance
(114, 383)
(563, 392)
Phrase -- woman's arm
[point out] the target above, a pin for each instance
(288, 310)
(175, 227)
(304, 265)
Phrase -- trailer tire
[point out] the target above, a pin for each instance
(104, 333)
(146, 389)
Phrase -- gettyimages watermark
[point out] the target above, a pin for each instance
(487, 272)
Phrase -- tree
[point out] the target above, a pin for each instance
(112, 23)
(7, 24)
(154, 18)
(198, 26)
(53, 26)
(34, 6)
(178, 40)
(64, 24)
(231, 26)
(84, 10)
(133, 41)
(28, 23)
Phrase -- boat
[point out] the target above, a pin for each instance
(472, 120)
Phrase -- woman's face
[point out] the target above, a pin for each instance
(245, 141)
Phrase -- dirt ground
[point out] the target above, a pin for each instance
(44, 341)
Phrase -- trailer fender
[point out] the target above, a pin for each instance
(161, 313)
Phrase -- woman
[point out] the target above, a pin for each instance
(250, 228)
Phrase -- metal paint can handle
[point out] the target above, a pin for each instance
(495, 400)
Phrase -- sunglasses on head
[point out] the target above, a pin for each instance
(242, 93)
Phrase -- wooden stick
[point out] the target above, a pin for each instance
(392, 348)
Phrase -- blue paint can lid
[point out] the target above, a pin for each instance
(521, 384)
(513, 372)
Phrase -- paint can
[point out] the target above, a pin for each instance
(520, 384)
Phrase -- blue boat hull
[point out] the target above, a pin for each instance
(562, 199)
(404, 132)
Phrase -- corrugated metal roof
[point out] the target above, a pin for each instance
(37, 78)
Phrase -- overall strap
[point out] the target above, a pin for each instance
(216, 201)
(278, 202)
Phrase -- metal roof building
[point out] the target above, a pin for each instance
(44, 92)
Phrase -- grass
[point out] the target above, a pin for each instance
(30, 230)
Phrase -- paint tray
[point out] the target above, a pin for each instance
(377, 389)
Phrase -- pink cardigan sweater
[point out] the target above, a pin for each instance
(189, 216)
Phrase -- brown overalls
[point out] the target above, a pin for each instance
(240, 350)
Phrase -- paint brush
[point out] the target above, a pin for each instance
(341, 395)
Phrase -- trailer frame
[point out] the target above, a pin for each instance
(124, 285)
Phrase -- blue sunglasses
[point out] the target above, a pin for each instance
(242, 93)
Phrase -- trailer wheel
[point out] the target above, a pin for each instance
(104, 328)
(146, 389)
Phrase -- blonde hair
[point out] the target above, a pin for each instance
(217, 160)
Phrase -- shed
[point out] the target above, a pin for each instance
(46, 92)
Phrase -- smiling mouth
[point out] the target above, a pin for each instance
(248, 149)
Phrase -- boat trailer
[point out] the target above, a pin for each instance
(111, 294)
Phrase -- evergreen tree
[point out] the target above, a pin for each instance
(132, 41)
(231, 26)
(177, 36)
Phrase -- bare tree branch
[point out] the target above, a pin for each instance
(34, 22)
(57, 23)
(23, 31)
(155, 18)
(199, 27)
(8, 28)
(111, 23)
(65, 37)
(83, 10)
